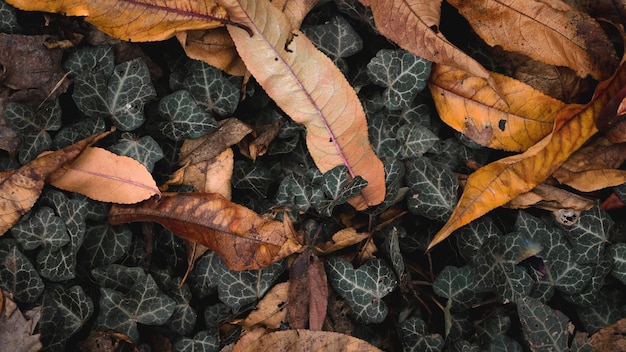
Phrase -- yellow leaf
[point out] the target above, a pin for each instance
(135, 20)
(307, 86)
(107, 177)
(554, 33)
(497, 183)
(510, 116)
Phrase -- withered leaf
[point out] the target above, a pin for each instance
(213, 46)
(230, 132)
(241, 237)
(306, 340)
(308, 292)
(21, 188)
(101, 175)
(271, 311)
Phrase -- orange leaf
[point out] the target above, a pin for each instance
(497, 183)
(305, 340)
(552, 33)
(135, 20)
(21, 188)
(213, 46)
(241, 237)
(413, 25)
(106, 177)
(307, 86)
(513, 118)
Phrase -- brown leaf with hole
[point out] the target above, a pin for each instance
(513, 120)
(135, 20)
(271, 311)
(594, 167)
(101, 175)
(414, 26)
(308, 292)
(245, 240)
(309, 88)
(213, 46)
(552, 33)
(21, 188)
(306, 340)
(499, 182)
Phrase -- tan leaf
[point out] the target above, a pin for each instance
(271, 311)
(308, 292)
(307, 86)
(136, 20)
(307, 340)
(24, 185)
(256, 144)
(241, 237)
(414, 26)
(340, 240)
(559, 36)
(213, 46)
(550, 198)
(101, 175)
(16, 329)
(211, 176)
(295, 10)
(513, 120)
(230, 132)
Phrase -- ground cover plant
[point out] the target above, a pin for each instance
(234, 175)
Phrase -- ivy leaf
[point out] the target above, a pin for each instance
(252, 176)
(145, 149)
(8, 20)
(185, 119)
(590, 234)
(210, 88)
(335, 38)
(298, 192)
(497, 268)
(457, 285)
(65, 311)
(602, 312)
(91, 59)
(414, 337)
(183, 319)
(118, 277)
(618, 252)
(202, 341)
(363, 288)
(104, 244)
(204, 277)
(391, 247)
(337, 187)
(216, 314)
(402, 73)
(415, 140)
(394, 180)
(384, 142)
(33, 127)
(57, 264)
(43, 228)
(120, 96)
(144, 303)
(18, 275)
(472, 236)
(544, 328)
(433, 189)
(73, 133)
(239, 288)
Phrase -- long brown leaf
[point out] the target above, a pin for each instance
(501, 181)
(136, 20)
(240, 236)
(307, 86)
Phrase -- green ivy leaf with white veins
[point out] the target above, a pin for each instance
(104, 244)
(185, 119)
(545, 329)
(211, 89)
(203, 341)
(145, 149)
(363, 288)
(336, 38)
(144, 303)
(457, 285)
(205, 274)
(118, 277)
(618, 252)
(73, 133)
(415, 140)
(183, 319)
(415, 338)
(43, 228)
(402, 73)
(120, 96)
(89, 59)
(17, 273)
(590, 234)
(433, 189)
(8, 20)
(338, 188)
(239, 288)
(64, 312)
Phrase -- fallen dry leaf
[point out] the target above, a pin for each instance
(230, 132)
(513, 120)
(308, 292)
(594, 167)
(16, 329)
(271, 311)
(21, 188)
(309, 88)
(550, 198)
(213, 46)
(101, 175)
(241, 237)
(306, 340)
(295, 10)
(340, 240)
(135, 20)
(610, 338)
(553, 33)
(497, 183)
(256, 144)
(210, 176)
(414, 26)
